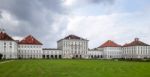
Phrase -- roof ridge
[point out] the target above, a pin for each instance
(136, 42)
(72, 36)
(5, 36)
(109, 43)
(30, 40)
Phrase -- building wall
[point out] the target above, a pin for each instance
(8, 49)
(52, 54)
(73, 48)
(94, 54)
(29, 51)
(111, 52)
(136, 52)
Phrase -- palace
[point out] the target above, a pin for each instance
(70, 47)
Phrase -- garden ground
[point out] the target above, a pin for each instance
(74, 68)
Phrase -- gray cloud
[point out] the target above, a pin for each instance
(0, 15)
(35, 16)
(102, 1)
(48, 20)
(87, 2)
(38, 17)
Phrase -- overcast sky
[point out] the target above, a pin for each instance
(96, 20)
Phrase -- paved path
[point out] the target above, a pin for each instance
(6, 61)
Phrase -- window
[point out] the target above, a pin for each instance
(4, 43)
(10, 43)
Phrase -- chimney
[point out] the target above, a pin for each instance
(136, 39)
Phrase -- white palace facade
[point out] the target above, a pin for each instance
(70, 47)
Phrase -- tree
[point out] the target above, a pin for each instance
(1, 55)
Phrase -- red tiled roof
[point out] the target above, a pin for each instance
(30, 40)
(73, 37)
(109, 43)
(136, 42)
(5, 36)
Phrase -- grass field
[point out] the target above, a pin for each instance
(74, 68)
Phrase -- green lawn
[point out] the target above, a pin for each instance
(74, 68)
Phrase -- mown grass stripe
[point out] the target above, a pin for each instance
(74, 68)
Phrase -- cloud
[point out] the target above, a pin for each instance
(119, 27)
(0, 15)
(84, 2)
(102, 1)
(36, 17)
(90, 7)
(95, 28)
(96, 20)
